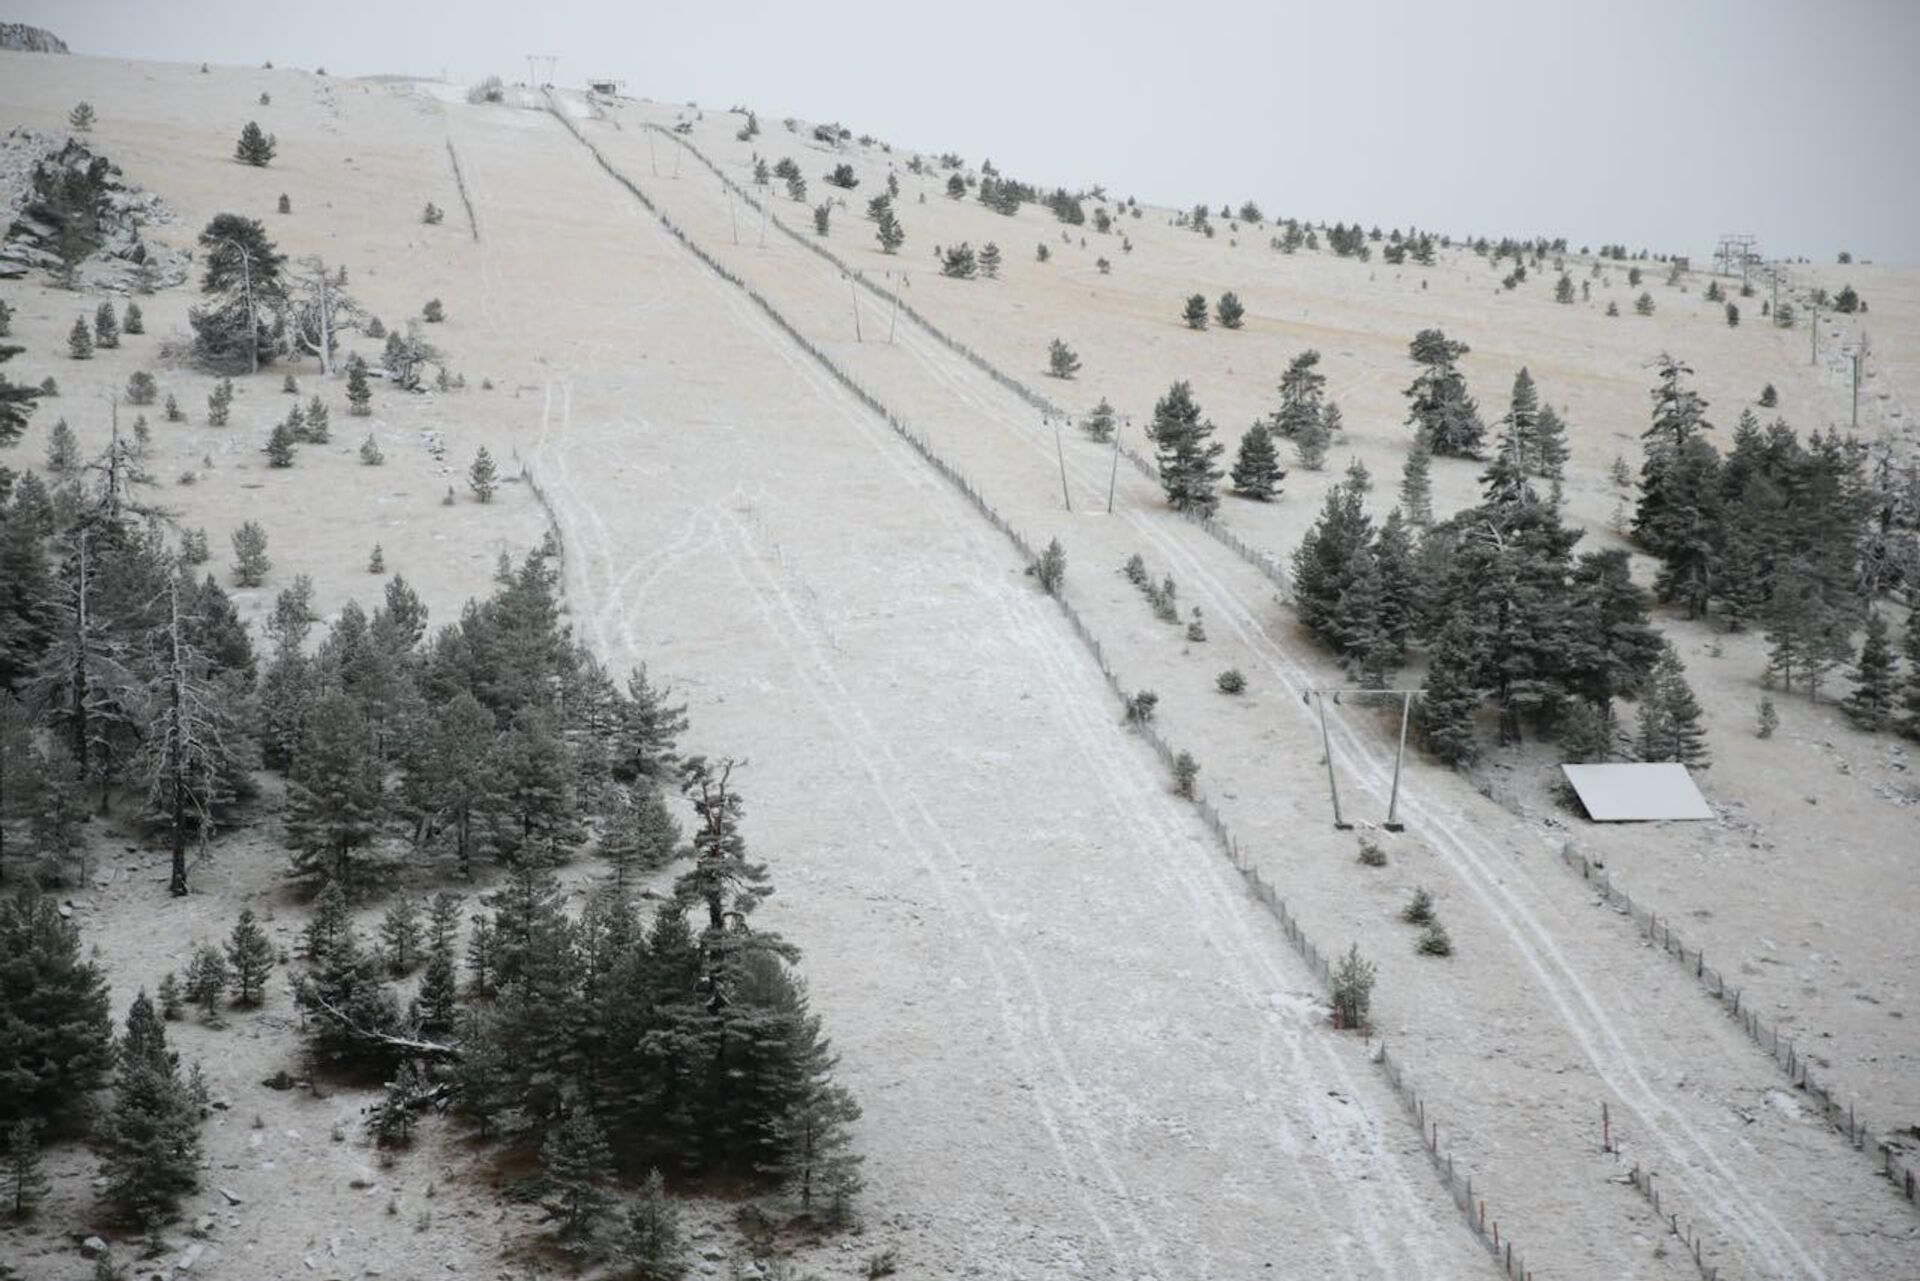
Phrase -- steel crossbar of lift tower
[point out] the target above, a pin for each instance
(1319, 697)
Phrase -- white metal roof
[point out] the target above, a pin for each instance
(1632, 792)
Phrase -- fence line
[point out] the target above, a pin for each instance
(1459, 1186)
(460, 181)
(1267, 566)
(1900, 1171)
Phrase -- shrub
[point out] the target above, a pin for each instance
(1231, 681)
(1434, 941)
(1229, 310)
(1061, 360)
(1371, 852)
(1195, 312)
(1769, 718)
(433, 313)
(1141, 706)
(1051, 568)
(141, 389)
(1419, 908)
(1185, 771)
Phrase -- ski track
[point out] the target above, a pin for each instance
(1581, 1011)
(1283, 1046)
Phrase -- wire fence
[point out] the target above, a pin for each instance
(460, 181)
(1892, 1163)
(1459, 1185)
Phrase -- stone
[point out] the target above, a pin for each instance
(93, 1247)
(232, 1197)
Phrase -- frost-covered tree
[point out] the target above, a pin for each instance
(1061, 360)
(1256, 468)
(1186, 451)
(256, 147)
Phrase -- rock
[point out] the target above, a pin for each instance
(189, 1257)
(232, 1197)
(93, 1247)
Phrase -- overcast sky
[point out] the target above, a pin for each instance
(1654, 124)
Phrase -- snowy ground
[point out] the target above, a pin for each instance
(1081, 1049)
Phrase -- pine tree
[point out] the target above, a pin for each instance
(317, 429)
(334, 796)
(250, 959)
(654, 1247)
(1439, 407)
(1099, 424)
(1875, 678)
(56, 1032)
(80, 340)
(890, 233)
(400, 934)
(1563, 289)
(1550, 454)
(21, 1175)
(1416, 484)
(1256, 468)
(1186, 451)
(255, 146)
(81, 118)
(1302, 388)
(575, 1167)
(63, 450)
(482, 477)
(1669, 721)
(1229, 310)
(219, 402)
(371, 455)
(1910, 690)
(990, 261)
(1061, 360)
(1310, 444)
(207, 977)
(1448, 699)
(280, 448)
(250, 555)
(359, 392)
(134, 322)
(16, 401)
(152, 1132)
(439, 991)
(106, 327)
(1195, 312)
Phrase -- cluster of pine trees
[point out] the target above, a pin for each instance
(1800, 538)
(1506, 612)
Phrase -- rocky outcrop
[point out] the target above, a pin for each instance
(21, 38)
(65, 195)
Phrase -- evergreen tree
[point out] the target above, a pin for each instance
(1195, 312)
(134, 322)
(1302, 388)
(152, 1133)
(1256, 468)
(400, 934)
(1875, 678)
(654, 1247)
(1910, 690)
(207, 977)
(317, 431)
(1550, 454)
(16, 401)
(1310, 445)
(439, 991)
(106, 327)
(80, 340)
(1439, 408)
(334, 796)
(1100, 423)
(1186, 451)
(55, 1030)
(1669, 725)
(576, 1165)
(250, 555)
(359, 392)
(1229, 310)
(890, 233)
(1448, 699)
(1416, 484)
(81, 118)
(250, 959)
(255, 146)
(482, 477)
(21, 1175)
(1061, 360)
(1563, 289)
(1806, 630)
(990, 261)
(219, 403)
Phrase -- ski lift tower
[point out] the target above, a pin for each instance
(1736, 252)
(537, 63)
(1319, 697)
